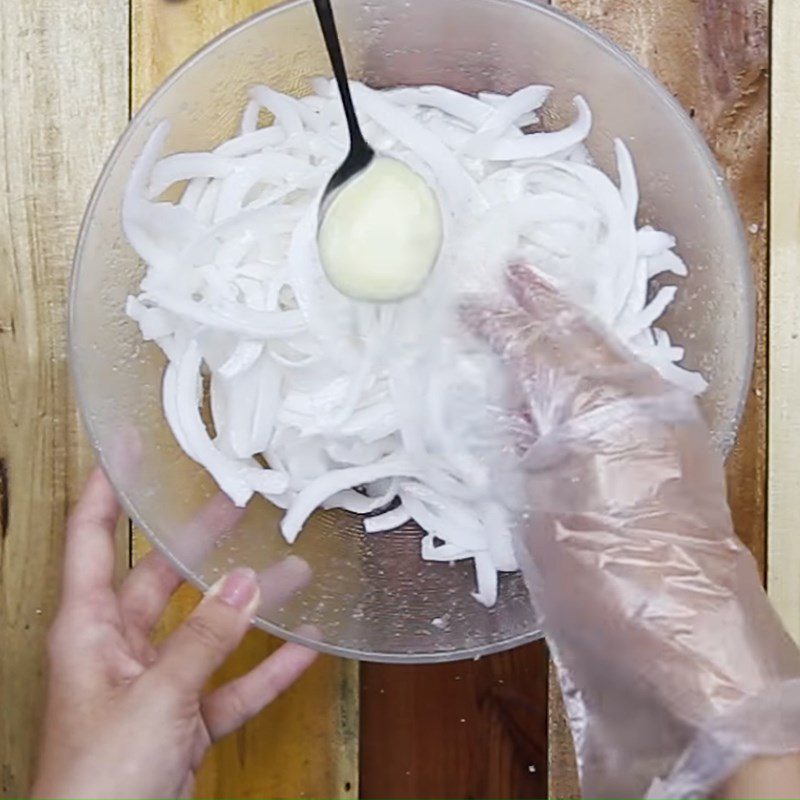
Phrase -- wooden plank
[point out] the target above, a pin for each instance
(64, 95)
(475, 729)
(784, 318)
(562, 771)
(713, 54)
(305, 744)
(466, 729)
(164, 34)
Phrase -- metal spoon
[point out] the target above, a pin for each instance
(360, 154)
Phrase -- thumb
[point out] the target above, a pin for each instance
(194, 651)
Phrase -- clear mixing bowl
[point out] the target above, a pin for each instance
(372, 597)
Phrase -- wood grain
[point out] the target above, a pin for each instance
(64, 98)
(466, 729)
(714, 56)
(58, 59)
(784, 318)
(306, 743)
(562, 770)
(166, 32)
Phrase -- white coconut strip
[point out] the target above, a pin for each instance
(337, 396)
(650, 243)
(651, 312)
(230, 317)
(455, 104)
(284, 107)
(252, 141)
(542, 145)
(504, 116)
(186, 166)
(235, 479)
(666, 261)
(453, 178)
(245, 354)
(628, 185)
(249, 121)
(319, 490)
(430, 551)
(486, 579)
(387, 521)
(359, 503)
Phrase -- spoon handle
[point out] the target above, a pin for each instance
(328, 25)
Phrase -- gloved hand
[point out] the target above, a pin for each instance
(674, 667)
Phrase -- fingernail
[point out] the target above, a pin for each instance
(308, 631)
(238, 589)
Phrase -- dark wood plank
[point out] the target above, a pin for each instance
(714, 56)
(414, 744)
(470, 729)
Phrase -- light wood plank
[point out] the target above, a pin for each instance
(64, 97)
(165, 33)
(784, 318)
(713, 54)
(305, 744)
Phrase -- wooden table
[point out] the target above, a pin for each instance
(70, 75)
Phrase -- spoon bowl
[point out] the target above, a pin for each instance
(371, 250)
(380, 233)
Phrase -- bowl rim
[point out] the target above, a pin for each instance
(581, 28)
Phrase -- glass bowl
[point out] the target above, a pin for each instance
(372, 597)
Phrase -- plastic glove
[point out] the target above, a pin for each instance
(675, 669)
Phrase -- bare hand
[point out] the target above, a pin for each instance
(123, 718)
